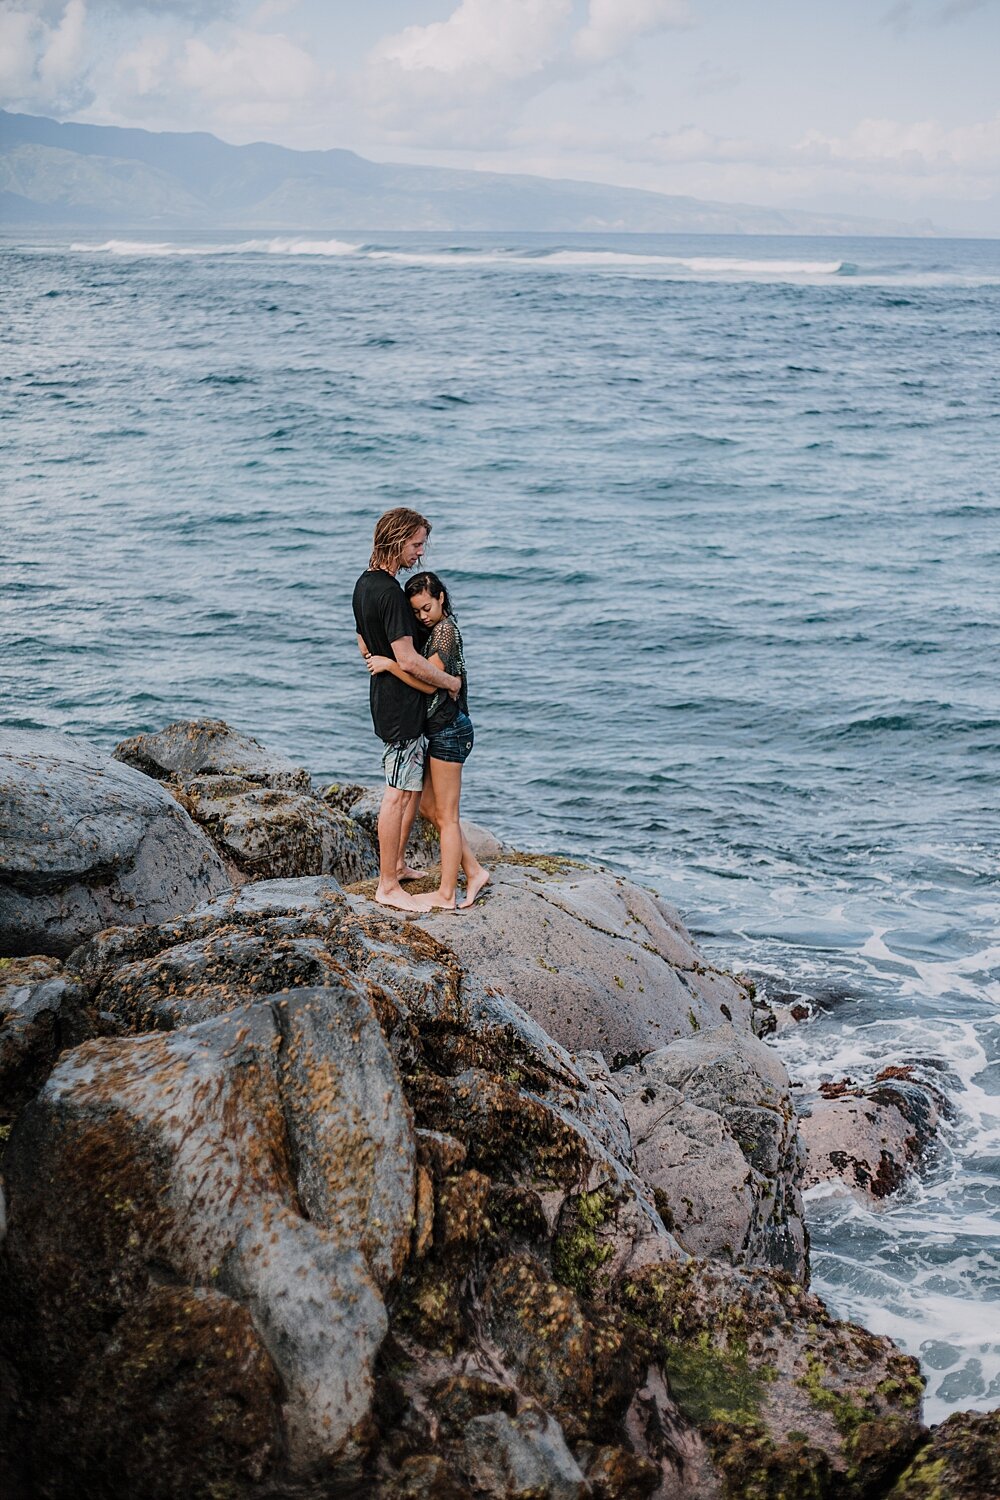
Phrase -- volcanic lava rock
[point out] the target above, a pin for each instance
(267, 1155)
(87, 843)
(961, 1461)
(598, 962)
(871, 1137)
(257, 807)
(715, 1136)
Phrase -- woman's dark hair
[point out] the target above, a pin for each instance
(429, 583)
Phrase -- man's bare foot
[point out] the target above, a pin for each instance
(475, 885)
(408, 873)
(435, 901)
(397, 898)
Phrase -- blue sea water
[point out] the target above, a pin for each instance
(720, 516)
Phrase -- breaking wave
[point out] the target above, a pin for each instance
(460, 255)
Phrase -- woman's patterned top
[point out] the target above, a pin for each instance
(446, 641)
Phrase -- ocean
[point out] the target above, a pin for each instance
(720, 520)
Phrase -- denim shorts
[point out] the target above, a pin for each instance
(403, 764)
(453, 743)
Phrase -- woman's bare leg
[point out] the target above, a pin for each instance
(446, 788)
(475, 875)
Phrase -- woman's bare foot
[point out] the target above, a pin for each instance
(435, 901)
(408, 873)
(474, 884)
(397, 898)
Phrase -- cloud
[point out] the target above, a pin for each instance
(42, 55)
(59, 65)
(199, 11)
(692, 144)
(612, 25)
(906, 13)
(464, 80)
(916, 149)
(250, 68)
(709, 78)
(495, 39)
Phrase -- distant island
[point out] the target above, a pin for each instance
(70, 174)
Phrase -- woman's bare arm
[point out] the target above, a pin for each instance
(377, 664)
(452, 684)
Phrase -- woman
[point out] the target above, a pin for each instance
(450, 738)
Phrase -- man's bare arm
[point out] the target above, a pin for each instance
(363, 648)
(411, 661)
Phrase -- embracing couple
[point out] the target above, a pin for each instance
(413, 649)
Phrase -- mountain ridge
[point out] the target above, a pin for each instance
(64, 172)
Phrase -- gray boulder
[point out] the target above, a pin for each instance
(715, 1137)
(598, 962)
(790, 1401)
(209, 747)
(257, 807)
(87, 843)
(871, 1137)
(474, 1061)
(268, 1155)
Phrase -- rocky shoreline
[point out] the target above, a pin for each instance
(302, 1198)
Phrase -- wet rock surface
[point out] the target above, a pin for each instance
(86, 842)
(258, 808)
(871, 1137)
(960, 1462)
(715, 1136)
(305, 1199)
(33, 1028)
(598, 962)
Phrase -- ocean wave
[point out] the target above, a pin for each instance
(703, 268)
(462, 255)
(280, 245)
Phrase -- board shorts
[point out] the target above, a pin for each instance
(453, 743)
(403, 764)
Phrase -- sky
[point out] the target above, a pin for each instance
(878, 107)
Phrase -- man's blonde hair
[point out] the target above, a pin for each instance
(392, 532)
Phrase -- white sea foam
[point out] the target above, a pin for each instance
(287, 245)
(445, 258)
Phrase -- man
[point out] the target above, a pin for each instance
(385, 625)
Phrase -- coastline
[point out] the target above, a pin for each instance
(554, 1173)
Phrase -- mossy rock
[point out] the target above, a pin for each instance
(791, 1402)
(960, 1462)
(577, 1252)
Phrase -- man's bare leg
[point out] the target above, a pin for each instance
(403, 870)
(395, 804)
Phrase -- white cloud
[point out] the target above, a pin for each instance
(498, 39)
(692, 144)
(251, 66)
(42, 47)
(146, 69)
(60, 63)
(19, 50)
(919, 148)
(612, 25)
(463, 81)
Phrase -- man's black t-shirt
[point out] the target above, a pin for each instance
(382, 615)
